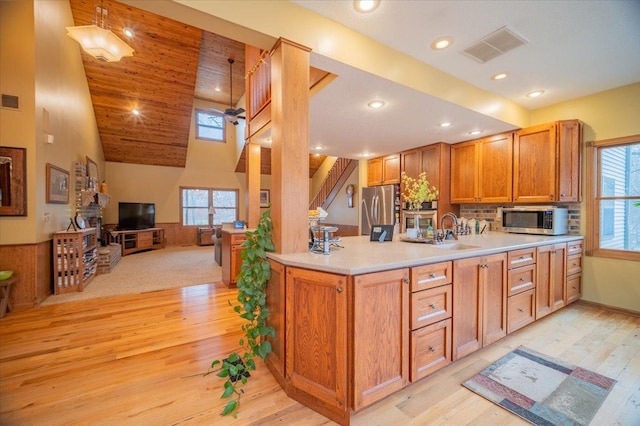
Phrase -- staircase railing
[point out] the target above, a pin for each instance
(337, 176)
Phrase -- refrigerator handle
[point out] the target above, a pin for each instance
(376, 203)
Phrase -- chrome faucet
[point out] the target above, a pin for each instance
(446, 235)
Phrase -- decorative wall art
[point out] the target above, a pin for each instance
(57, 185)
(92, 174)
(13, 181)
(264, 198)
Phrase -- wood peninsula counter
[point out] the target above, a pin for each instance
(365, 321)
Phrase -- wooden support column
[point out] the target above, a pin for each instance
(252, 201)
(290, 146)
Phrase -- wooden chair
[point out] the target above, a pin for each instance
(5, 292)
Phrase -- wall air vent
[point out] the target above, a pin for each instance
(495, 44)
(10, 101)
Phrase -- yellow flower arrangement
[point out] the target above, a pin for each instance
(417, 191)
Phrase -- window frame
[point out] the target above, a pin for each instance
(214, 113)
(594, 198)
(210, 190)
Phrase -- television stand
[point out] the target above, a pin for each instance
(138, 240)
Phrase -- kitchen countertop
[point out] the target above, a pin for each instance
(358, 255)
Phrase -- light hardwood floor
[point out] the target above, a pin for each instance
(131, 360)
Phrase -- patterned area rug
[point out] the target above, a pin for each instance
(541, 389)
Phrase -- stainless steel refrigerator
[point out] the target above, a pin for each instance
(380, 206)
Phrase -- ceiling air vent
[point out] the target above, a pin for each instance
(494, 45)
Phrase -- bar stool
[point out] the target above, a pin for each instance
(5, 291)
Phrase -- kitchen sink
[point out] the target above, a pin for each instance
(455, 246)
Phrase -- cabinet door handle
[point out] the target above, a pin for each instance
(520, 310)
(406, 280)
(432, 275)
(521, 279)
(432, 349)
(339, 289)
(432, 306)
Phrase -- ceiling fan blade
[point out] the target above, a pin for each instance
(238, 111)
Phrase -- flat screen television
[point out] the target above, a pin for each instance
(133, 216)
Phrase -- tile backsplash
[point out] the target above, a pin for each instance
(489, 212)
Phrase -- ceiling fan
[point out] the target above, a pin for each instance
(230, 114)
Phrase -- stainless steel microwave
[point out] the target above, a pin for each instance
(545, 220)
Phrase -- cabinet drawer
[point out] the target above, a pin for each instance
(429, 306)
(574, 287)
(430, 349)
(574, 247)
(574, 264)
(520, 310)
(517, 258)
(238, 238)
(430, 276)
(521, 279)
(145, 239)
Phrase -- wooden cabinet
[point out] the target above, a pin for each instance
(135, 241)
(380, 335)
(384, 170)
(551, 278)
(231, 260)
(481, 170)
(574, 271)
(435, 161)
(546, 163)
(74, 260)
(275, 302)
(521, 285)
(316, 339)
(479, 302)
(431, 311)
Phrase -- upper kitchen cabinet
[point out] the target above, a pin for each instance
(384, 170)
(546, 163)
(481, 170)
(435, 161)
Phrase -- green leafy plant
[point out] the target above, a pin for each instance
(417, 191)
(252, 280)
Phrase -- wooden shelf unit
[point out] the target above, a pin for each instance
(74, 259)
(140, 240)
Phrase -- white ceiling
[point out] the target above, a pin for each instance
(575, 48)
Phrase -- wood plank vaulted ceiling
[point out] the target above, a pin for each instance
(173, 63)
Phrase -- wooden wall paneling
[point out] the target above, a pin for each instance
(275, 292)
(253, 184)
(33, 273)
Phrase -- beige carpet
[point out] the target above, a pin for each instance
(173, 266)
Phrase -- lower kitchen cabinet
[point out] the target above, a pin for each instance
(551, 278)
(574, 271)
(316, 339)
(479, 302)
(380, 335)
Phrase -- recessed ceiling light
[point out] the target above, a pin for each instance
(267, 140)
(475, 132)
(217, 88)
(376, 104)
(366, 154)
(318, 147)
(499, 76)
(316, 155)
(365, 6)
(128, 32)
(445, 124)
(535, 93)
(441, 43)
(135, 112)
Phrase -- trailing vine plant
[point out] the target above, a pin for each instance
(254, 274)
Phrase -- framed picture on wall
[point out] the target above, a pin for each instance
(57, 185)
(92, 173)
(264, 198)
(13, 181)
